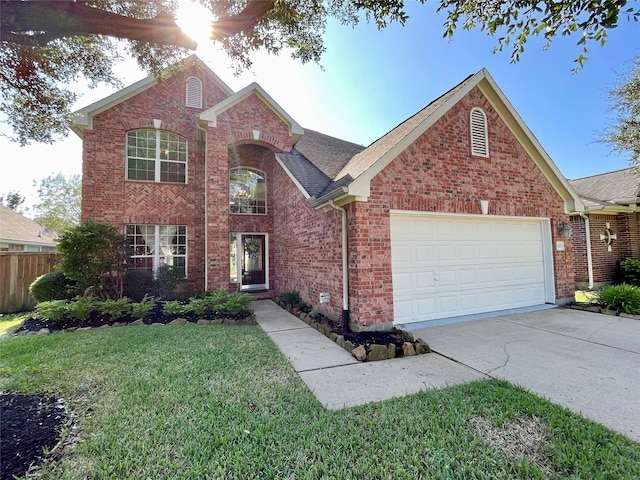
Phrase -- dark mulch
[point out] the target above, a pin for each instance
(96, 319)
(29, 424)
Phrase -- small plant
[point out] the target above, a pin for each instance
(236, 303)
(137, 284)
(174, 308)
(622, 298)
(167, 279)
(51, 286)
(142, 309)
(292, 299)
(631, 272)
(80, 308)
(53, 310)
(115, 309)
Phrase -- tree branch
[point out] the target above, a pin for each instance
(35, 23)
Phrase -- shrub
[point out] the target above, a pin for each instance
(137, 284)
(201, 306)
(52, 286)
(167, 279)
(623, 298)
(292, 299)
(174, 308)
(631, 272)
(115, 309)
(80, 308)
(236, 303)
(95, 255)
(142, 309)
(52, 310)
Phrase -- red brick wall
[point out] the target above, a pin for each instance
(307, 246)
(108, 197)
(438, 174)
(578, 240)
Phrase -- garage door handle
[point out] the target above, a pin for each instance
(436, 277)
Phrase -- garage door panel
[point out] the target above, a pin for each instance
(449, 266)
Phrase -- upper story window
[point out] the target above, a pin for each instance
(156, 156)
(479, 137)
(194, 92)
(247, 191)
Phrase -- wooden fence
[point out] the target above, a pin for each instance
(17, 271)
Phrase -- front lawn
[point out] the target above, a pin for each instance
(221, 402)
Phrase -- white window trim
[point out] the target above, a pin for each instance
(156, 240)
(192, 84)
(478, 133)
(158, 161)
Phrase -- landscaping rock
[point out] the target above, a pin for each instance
(377, 352)
(391, 350)
(408, 349)
(360, 353)
(217, 321)
(44, 331)
(202, 321)
(422, 347)
(340, 340)
(178, 321)
(137, 322)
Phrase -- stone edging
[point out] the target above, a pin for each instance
(590, 307)
(368, 353)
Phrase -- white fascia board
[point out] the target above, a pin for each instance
(361, 186)
(293, 178)
(211, 115)
(530, 143)
(83, 118)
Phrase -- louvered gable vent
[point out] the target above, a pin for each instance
(194, 92)
(479, 140)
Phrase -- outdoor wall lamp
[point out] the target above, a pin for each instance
(564, 229)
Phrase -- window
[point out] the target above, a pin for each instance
(479, 139)
(247, 191)
(194, 93)
(156, 156)
(157, 245)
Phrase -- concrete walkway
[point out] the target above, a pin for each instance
(587, 362)
(337, 379)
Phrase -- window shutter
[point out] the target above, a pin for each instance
(194, 92)
(479, 138)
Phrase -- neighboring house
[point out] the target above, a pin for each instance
(229, 187)
(608, 231)
(21, 234)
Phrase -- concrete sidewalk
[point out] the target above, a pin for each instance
(338, 380)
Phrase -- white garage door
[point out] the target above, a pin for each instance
(450, 266)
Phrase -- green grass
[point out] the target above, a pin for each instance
(221, 402)
(9, 322)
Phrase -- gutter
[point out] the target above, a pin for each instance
(345, 267)
(206, 203)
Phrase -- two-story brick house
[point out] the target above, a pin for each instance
(456, 211)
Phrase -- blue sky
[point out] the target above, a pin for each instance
(373, 80)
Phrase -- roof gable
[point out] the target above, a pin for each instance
(83, 118)
(211, 115)
(364, 166)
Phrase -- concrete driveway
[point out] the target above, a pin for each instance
(588, 362)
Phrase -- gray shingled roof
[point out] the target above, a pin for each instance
(608, 188)
(316, 160)
(321, 163)
(16, 228)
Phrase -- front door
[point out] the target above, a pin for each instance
(252, 259)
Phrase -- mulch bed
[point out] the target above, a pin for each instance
(29, 424)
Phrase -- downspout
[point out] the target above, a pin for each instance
(345, 267)
(206, 203)
(587, 233)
